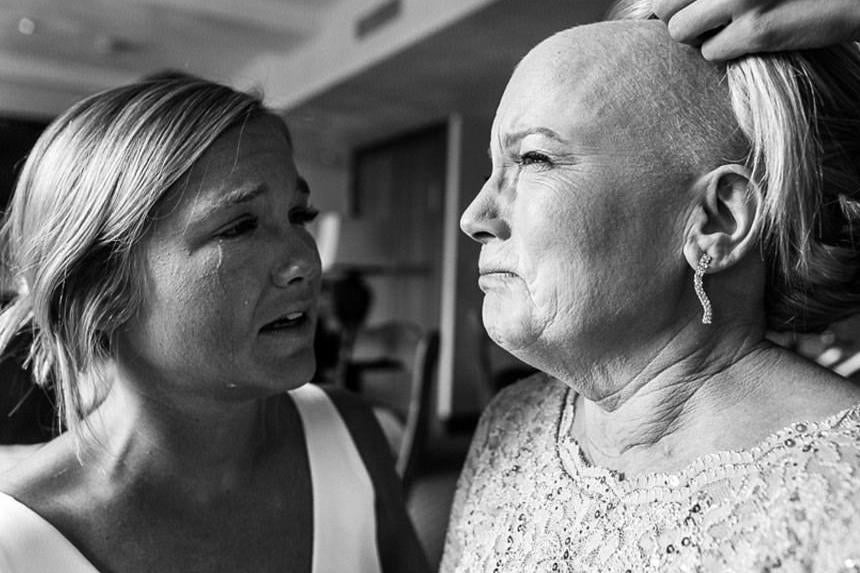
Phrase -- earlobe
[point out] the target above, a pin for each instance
(726, 221)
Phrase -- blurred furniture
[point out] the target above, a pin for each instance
(837, 348)
(393, 367)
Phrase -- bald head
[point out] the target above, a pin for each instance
(629, 80)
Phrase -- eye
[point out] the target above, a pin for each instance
(239, 227)
(303, 215)
(534, 158)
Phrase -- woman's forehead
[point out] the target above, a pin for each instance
(246, 160)
(257, 138)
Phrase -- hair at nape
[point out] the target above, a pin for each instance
(800, 115)
(81, 205)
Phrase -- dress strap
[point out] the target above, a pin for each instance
(29, 544)
(344, 536)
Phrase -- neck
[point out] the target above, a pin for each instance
(202, 445)
(660, 411)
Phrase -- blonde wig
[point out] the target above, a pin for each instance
(81, 205)
(799, 113)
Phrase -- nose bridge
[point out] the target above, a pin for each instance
(297, 258)
(483, 218)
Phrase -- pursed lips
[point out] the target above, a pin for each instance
(487, 276)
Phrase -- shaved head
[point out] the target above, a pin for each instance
(637, 82)
(598, 142)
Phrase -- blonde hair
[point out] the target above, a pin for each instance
(800, 115)
(81, 205)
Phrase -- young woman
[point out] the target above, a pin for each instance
(157, 234)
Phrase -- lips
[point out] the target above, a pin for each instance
(492, 277)
(295, 317)
(289, 320)
(490, 269)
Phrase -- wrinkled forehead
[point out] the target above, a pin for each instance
(618, 78)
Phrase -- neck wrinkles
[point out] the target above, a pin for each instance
(665, 413)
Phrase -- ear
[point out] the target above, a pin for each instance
(726, 222)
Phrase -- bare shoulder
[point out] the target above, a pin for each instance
(46, 478)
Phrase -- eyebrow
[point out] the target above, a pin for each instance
(239, 196)
(246, 194)
(512, 138)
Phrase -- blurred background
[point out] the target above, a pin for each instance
(390, 103)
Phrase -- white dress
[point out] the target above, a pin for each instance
(344, 537)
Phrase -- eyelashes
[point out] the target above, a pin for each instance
(249, 223)
(242, 226)
(303, 215)
(533, 158)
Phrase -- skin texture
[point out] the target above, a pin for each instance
(573, 156)
(728, 29)
(198, 461)
(603, 196)
(217, 273)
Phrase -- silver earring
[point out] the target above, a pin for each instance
(704, 263)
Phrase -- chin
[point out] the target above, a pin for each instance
(510, 328)
(290, 372)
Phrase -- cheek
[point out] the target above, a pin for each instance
(196, 298)
(550, 242)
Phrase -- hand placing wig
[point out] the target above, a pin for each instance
(727, 29)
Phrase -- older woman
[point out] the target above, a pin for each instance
(648, 217)
(158, 237)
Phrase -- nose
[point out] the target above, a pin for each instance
(482, 220)
(299, 265)
(290, 274)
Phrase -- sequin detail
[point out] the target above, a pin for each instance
(528, 500)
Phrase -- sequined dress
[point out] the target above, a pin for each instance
(527, 499)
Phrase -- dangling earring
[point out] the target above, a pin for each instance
(704, 263)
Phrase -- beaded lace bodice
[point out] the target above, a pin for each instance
(527, 499)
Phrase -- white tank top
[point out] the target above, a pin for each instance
(344, 520)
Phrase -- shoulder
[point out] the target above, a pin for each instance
(397, 543)
(358, 417)
(37, 490)
(365, 433)
(43, 472)
(13, 537)
(519, 423)
(811, 489)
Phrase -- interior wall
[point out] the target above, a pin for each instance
(463, 387)
(329, 183)
(393, 230)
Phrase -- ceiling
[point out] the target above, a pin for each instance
(71, 48)
(53, 52)
(462, 68)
